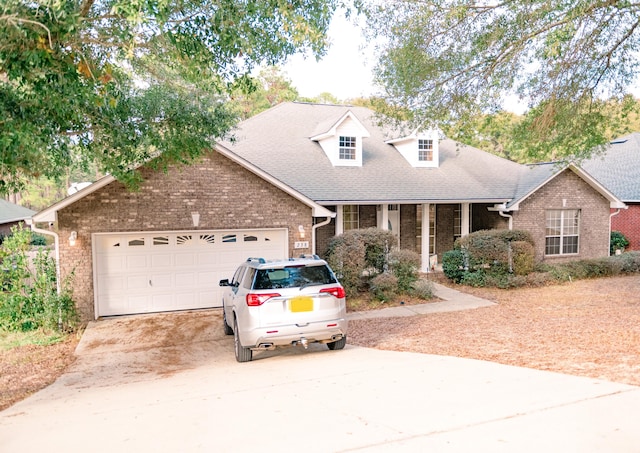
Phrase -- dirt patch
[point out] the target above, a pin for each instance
(587, 328)
(27, 369)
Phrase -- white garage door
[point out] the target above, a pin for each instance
(151, 272)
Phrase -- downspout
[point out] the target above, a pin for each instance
(313, 233)
(56, 240)
(508, 216)
(611, 217)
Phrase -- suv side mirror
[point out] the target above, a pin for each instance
(224, 282)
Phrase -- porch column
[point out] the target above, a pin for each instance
(465, 218)
(384, 218)
(426, 246)
(339, 220)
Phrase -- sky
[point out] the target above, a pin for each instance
(344, 72)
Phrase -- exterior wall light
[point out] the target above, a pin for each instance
(301, 231)
(195, 216)
(72, 238)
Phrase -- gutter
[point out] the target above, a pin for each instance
(56, 240)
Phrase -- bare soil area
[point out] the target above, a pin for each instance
(26, 369)
(587, 328)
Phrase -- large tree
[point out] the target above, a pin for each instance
(449, 61)
(271, 88)
(117, 82)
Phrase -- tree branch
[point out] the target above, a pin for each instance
(13, 19)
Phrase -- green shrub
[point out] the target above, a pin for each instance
(477, 278)
(492, 250)
(357, 256)
(618, 242)
(347, 259)
(405, 265)
(384, 287)
(29, 298)
(629, 262)
(38, 239)
(523, 256)
(422, 289)
(454, 264)
(377, 244)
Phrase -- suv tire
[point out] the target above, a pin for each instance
(225, 325)
(340, 344)
(242, 354)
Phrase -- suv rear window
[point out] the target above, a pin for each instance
(293, 276)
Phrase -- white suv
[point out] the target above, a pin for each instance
(283, 303)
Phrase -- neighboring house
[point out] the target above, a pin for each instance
(618, 168)
(12, 215)
(294, 177)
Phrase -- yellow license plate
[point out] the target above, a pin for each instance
(301, 303)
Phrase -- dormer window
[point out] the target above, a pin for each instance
(347, 148)
(425, 150)
(420, 149)
(342, 139)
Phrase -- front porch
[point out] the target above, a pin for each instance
(426, 226)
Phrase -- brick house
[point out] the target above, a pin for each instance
(618, 167)
(295, 176)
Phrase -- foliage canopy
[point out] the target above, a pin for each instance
(116, 82)
(572, 63)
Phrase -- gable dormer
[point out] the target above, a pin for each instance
(420, 149)
(341, 141)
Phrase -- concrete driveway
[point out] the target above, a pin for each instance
(170, 383)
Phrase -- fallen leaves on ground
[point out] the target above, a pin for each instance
(26, 369)
(587, 328)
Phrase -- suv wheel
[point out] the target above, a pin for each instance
(225, 325)
(340, 344)
(242, 354)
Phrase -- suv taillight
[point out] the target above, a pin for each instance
(254, 300)
(336, 291)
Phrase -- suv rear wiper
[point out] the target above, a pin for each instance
(311, 284)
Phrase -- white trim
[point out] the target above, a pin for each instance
(333, 130)
(425, 245)
(465, 219)
(50, 214)
(410, 202)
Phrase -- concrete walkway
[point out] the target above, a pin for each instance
(451, 300)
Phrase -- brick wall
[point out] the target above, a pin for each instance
(628, 223)
(483, 219)
(445, 214)
(567, 191)
(324, 234)
(226, 195)
(408, 225)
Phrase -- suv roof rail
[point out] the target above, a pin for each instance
(259, 260)
(310, 257)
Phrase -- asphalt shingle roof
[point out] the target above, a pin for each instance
(278, 142)
(618, 167)
(10, 212)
